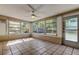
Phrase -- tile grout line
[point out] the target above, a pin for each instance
(18, 49)
(55, 50)
(72, 51)
(2, 48)
(48, 49)
(11, 50)
(64, 50)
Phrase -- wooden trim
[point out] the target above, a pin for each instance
(78, 28)
(56, 26)
(47, 18)
(63, 32)
(3, 17)
(6, 26)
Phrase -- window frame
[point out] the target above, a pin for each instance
(51, 19)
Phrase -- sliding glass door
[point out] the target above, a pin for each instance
(71, 31)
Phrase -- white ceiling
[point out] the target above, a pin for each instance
(23, 11)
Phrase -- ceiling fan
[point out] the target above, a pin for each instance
(33, 12)
(33, 15)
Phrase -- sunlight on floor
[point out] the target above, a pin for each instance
(14, 42)
(28, 39)
(18, 41)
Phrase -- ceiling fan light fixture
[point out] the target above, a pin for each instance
(33, 16)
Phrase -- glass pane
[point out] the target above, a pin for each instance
(34, 26)
(71, 29)
(41, 27)
(14, 27)
(25, 27)
(51, 26)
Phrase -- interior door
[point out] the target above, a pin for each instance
(71, 31)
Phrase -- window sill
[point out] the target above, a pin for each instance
(48, 34)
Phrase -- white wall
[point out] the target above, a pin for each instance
(2, 28)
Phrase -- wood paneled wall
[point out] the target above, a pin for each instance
(13, 37)
(52, 39)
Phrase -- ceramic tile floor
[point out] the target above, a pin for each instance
(32, 46)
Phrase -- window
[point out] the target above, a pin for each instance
(34, 26)
(17, 27)
(51, 26)
(41, 27)
(25, 27)
(45, 26)
(14, 27)
(71, 26)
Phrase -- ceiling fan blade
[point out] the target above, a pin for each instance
(39, 7)
(33, 9)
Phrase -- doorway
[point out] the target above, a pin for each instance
(70, 31)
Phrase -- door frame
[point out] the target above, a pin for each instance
(66, 42)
